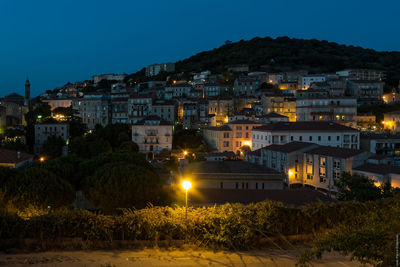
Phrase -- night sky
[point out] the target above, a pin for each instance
(56, 41)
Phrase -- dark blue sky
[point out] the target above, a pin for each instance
(56, 41)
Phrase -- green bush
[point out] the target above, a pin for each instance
(231, 226)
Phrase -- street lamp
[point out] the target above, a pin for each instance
(186, 185)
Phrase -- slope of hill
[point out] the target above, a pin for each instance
(286, 54)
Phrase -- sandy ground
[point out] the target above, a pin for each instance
(155, 257)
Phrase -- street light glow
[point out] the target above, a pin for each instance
(186, 185)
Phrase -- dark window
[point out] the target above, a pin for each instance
(319, 138)
(222, 185)
(310, 138)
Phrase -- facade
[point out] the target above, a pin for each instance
(362, 74)
(309, 164)
(384, 145)
(380, 173)
(152, 134)
(139, 107)
(324, 165)
(234, 136)
(391, 121)
(233, 175)
(165, 109)
(45, 130)
(282, 105)
(246, 85)
(155, 69)
(215, 89)
(341, 110)
(366, 91)
(272, 118)
(93, 109)
(180, 90)
(15, 159)
(305, 81)
(391, 98)
(58, 102)
(321, 133)
(222, 108)
(119, 107)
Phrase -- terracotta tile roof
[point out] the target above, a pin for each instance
(309, 126)
(336, 152)
(274, 115)
(10, 156)
(296, 197)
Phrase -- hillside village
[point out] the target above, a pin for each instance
(288, 129)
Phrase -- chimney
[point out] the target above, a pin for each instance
(18, 154)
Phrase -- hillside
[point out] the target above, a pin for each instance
(286, 54)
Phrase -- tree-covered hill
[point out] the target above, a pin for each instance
(286, 54)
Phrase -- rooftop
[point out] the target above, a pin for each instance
(244, 122)
(289, 147)
(296, 197)
(154, 118)
(378, 168)
(205, 167)
(336, 152)
(11, 156)
(309, 126)
(219, 128)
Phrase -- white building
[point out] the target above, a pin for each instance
(152, 134)
(306, 80)
(321, 133)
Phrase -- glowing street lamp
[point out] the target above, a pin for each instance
(41, 159)
(186, 185)
(185, 153)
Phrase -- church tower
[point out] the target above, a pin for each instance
(28, 93)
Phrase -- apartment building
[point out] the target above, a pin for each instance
(362, 74)
(342, 110)
(282, 105)
(305, 81)
(221, 108)
(309, 164)
(155, 69)
(165, 109)
(152, 134)
(234, 136)
(322, 133)
(366, 91)
(139, 107)
(94, 108)
(246, 85)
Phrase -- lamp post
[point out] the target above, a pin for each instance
(186, 185)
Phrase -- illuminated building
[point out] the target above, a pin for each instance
(322, 133)
(234, 136)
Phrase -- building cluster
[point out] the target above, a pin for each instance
(288, 129)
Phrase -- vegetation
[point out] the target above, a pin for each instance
(53, 146)
(289, 54)
(103, 139)
(359, 188)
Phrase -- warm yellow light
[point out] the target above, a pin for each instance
(246, 143)
(185, 152)
(290, 173)
(41, 159)
(226, 119)
(186, 185)
(377, 184)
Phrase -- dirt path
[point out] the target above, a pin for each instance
(154, 257)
